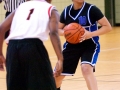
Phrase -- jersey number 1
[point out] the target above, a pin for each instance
(31, 11)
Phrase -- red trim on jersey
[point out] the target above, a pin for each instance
(49, 10)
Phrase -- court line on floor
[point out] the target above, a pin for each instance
(101, 51)
(111, 49)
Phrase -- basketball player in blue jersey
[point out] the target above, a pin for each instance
(27, 61)
(88, 49)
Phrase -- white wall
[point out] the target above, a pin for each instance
(2, 12)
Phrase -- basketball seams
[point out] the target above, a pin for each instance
(74, 28)
(73, 32)
(78, 37)
(80, 34)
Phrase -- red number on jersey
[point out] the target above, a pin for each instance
(31, 11)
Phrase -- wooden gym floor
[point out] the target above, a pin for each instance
(107, 68)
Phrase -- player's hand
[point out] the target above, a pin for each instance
(2, 63)
(58, 68)
(87, 35)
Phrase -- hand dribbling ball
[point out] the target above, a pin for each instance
(73, 32)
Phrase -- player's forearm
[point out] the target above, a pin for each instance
(101, 31)
(1, 40)
(56, 44)
(61, 32)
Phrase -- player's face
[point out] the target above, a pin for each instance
(78, 1)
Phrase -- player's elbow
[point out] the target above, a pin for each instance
(109, 28)
(53, 32)
(2, 29)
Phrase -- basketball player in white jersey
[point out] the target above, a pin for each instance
(27, 61)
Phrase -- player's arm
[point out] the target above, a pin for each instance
(97, 16)
(54, 36)
(4, 27)
(62, 23)
(60, 30)
(105, 27)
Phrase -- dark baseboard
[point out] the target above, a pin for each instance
(117, 24)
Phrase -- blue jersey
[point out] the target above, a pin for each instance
(87, 16)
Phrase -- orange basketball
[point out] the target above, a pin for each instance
(73, 32)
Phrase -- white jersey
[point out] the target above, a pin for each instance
(31, 21)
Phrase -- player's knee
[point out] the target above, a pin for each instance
(86, 69)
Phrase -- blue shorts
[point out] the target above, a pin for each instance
(86, 51)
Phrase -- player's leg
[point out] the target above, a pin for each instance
(13, 68)
(87, 71)
(71, 58)
(58, 81)
(89, 59)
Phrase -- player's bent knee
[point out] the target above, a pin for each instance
(86, 69)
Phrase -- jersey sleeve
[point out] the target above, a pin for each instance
(62, 16)
(50, 10)
(95, 14)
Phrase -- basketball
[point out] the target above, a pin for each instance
(73, 32)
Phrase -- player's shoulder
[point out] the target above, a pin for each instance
(92, 6)
(48, 4)
(88, 4)
(35, 2)
(68, 6)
